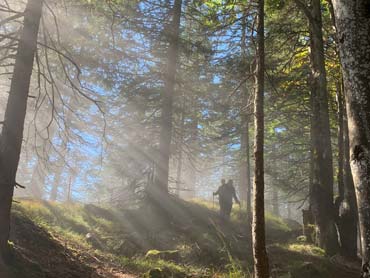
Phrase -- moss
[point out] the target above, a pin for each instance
(143, 265)
(306, 249)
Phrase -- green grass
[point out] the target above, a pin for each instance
(206, 204)
(276, 223)
(292, 256)
(71, 222)
(142, 265)
(239, 215)
(306, 249)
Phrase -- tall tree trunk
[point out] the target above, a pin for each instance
(350, 205)
(179, 173)
(181, 142)
(340, 174)
(352, 19)
(321, 190)
(275, 201)
(4, 270)
(12, 133)
(261, 264)
(69, 186)
(245, 172)
(245, 169)
(346, 202)
(193, 143)
(56, 184)
(289, 210)
(37, 180)
(162, 169)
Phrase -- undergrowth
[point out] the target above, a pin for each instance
(125, 236)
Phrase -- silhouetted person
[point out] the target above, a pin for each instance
(226, 193)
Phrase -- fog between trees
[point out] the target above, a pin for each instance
(124, 103)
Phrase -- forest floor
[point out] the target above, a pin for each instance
(53, 240)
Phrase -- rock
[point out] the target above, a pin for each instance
(167, 255)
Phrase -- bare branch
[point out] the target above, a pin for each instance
(19, 185)
(14, 17)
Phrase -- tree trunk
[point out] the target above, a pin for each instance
(353, 27)
(37, 188)
(162, 167)
(4, 270)
(69, 187)
(261, 264)
(308, 222)
(322, 180)
(12, 133)
(248, 184)
(346, 202)
(193, 158)
(275, 201)
(340, 174)
(56, 184)
(289, 211)
(180, 158)
(245, 169)
(179, 173)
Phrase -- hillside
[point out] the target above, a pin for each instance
(73, 240)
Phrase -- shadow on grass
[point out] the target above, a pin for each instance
(38, 255)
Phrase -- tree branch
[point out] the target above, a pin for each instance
(304, 9)
(13, 17)
(20, 186)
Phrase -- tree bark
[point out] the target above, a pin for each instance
(15, 113)
(352, 19)
(346, 202)
(350, 246)
(162, 167)
(261, 264)
(340, 112)
(322, 204)
(4, 270)
(245, 169)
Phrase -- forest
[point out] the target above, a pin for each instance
(184, 138)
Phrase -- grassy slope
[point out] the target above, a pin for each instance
(50, 240)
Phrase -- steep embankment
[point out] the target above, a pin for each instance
(185, 239)
(54, 253)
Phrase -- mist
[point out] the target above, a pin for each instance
(176, 137)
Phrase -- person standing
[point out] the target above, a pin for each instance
(226, 193)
